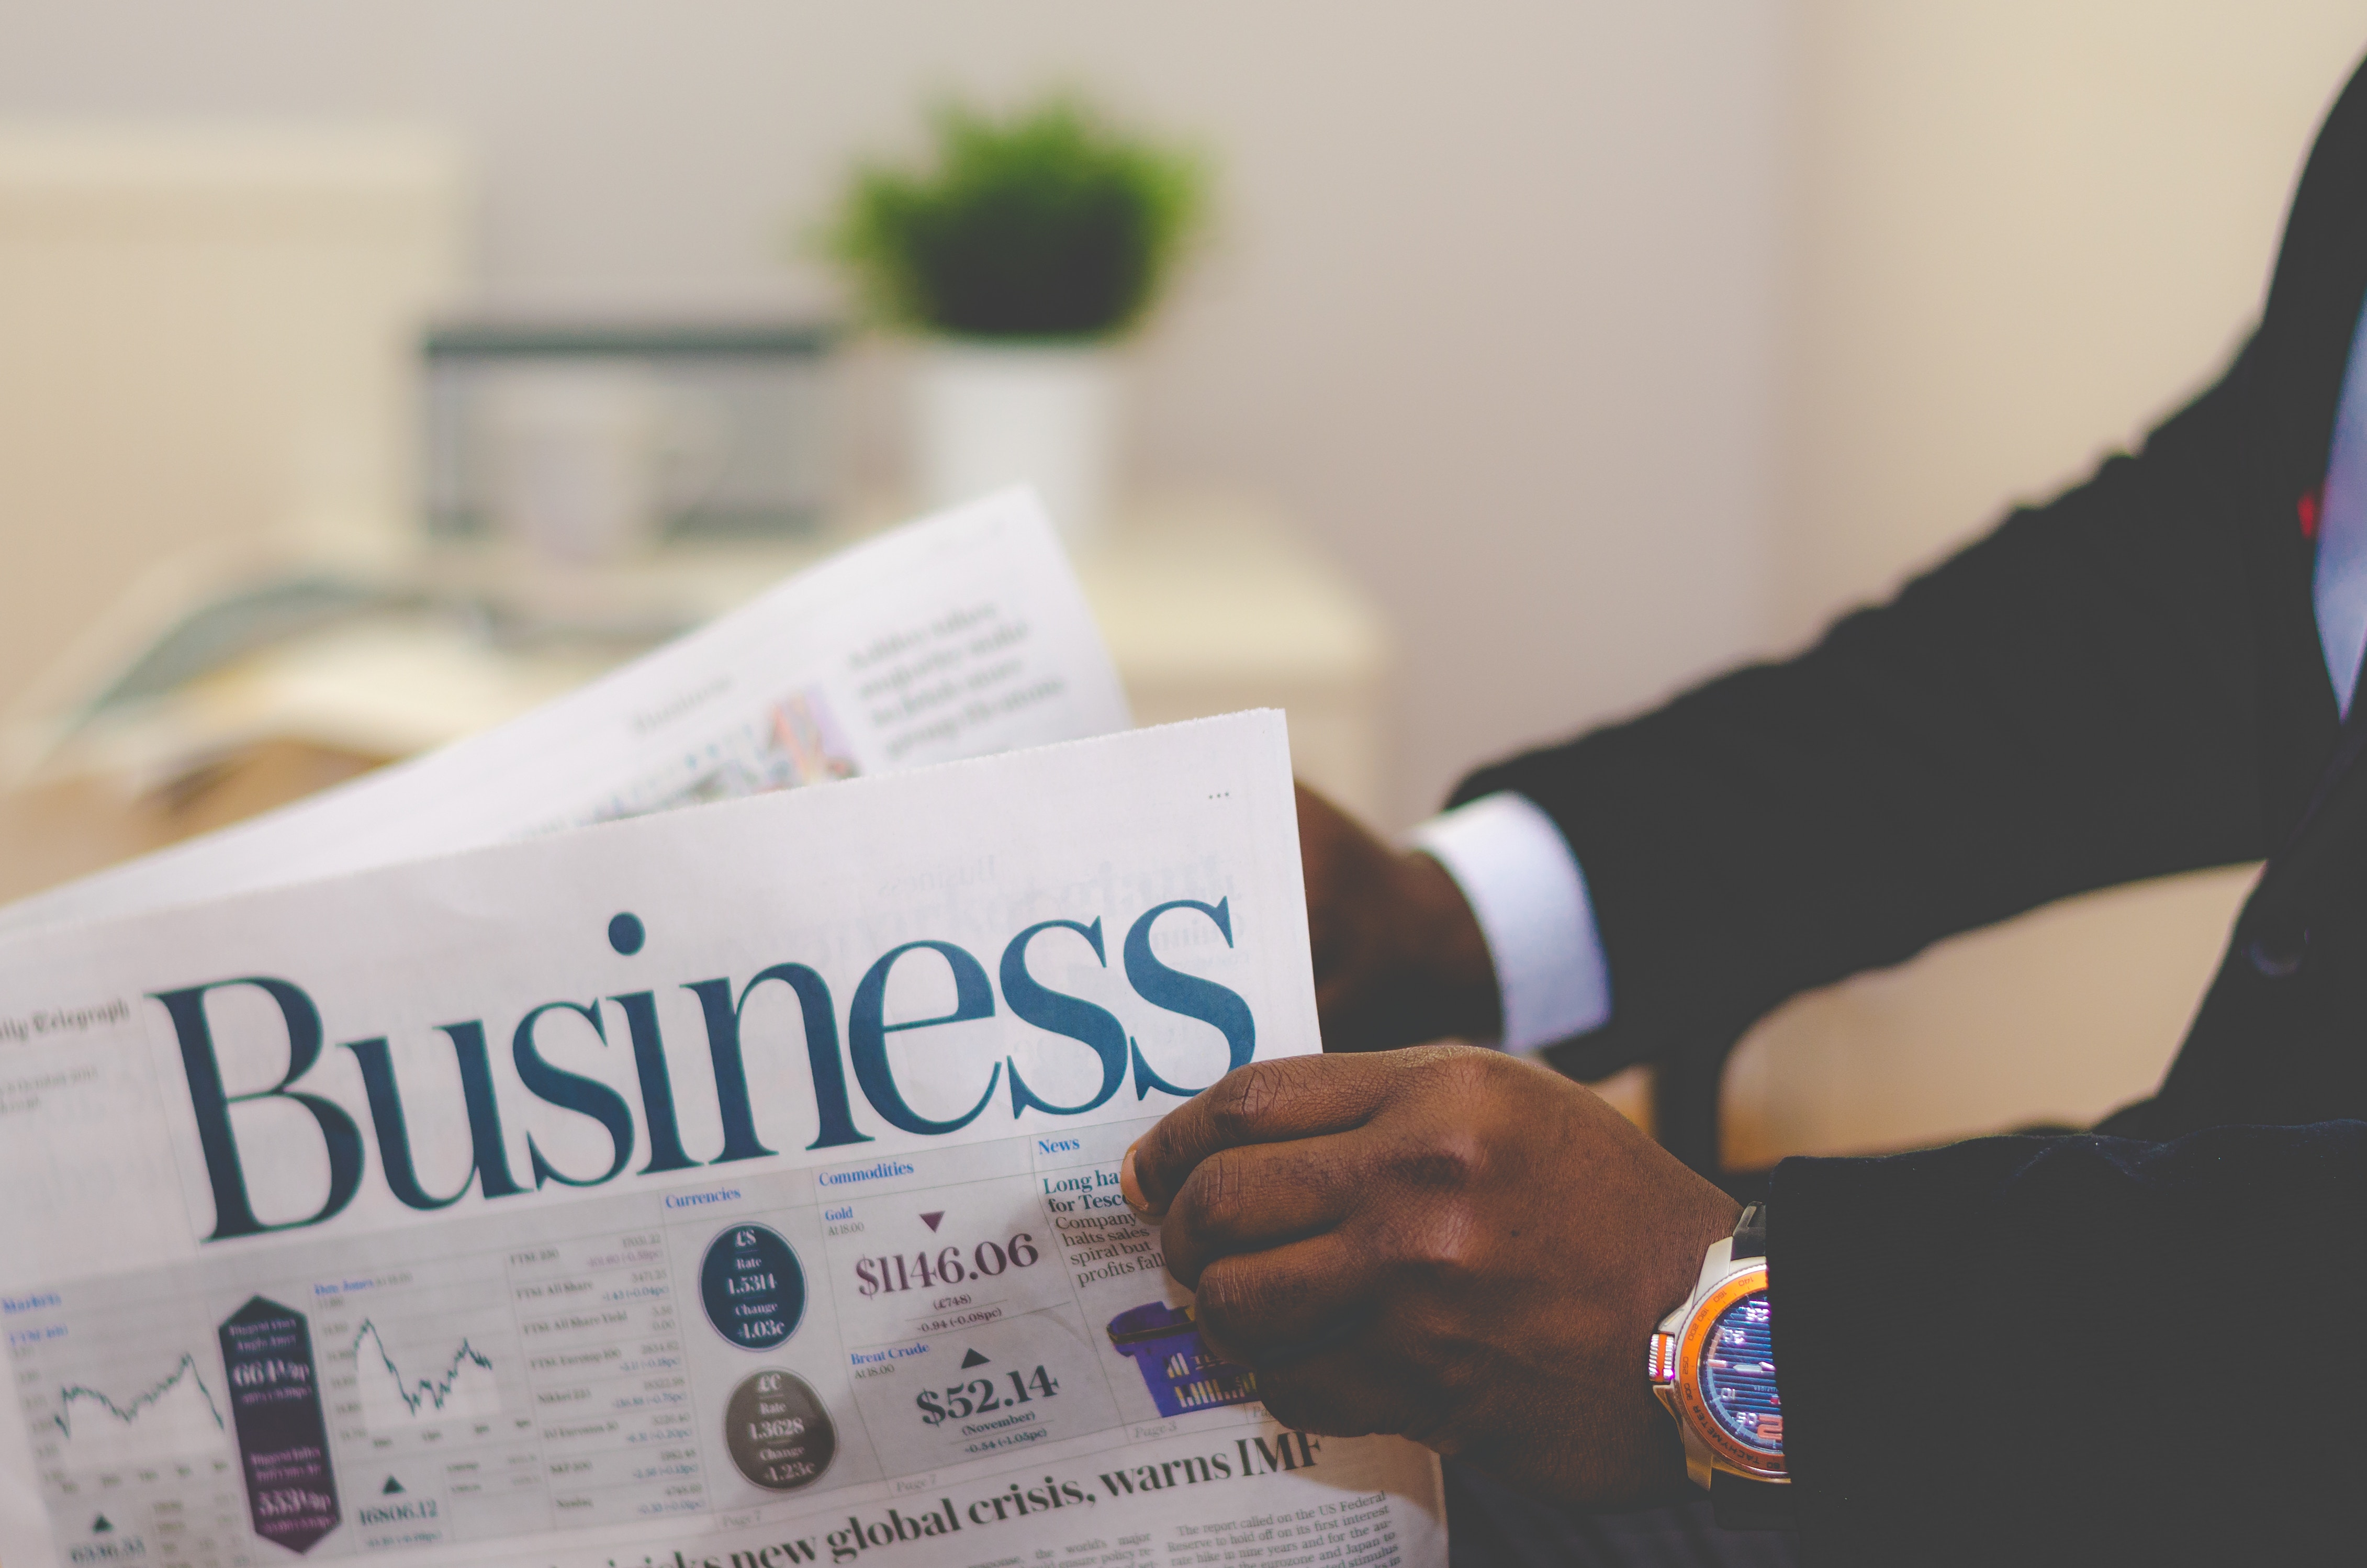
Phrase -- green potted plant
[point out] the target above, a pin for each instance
(1024, 251)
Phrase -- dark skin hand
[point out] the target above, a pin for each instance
(1398, 958)
(1445, 1243)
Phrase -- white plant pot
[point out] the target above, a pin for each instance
(986, 416)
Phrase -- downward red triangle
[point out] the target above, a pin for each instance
(931, 1219)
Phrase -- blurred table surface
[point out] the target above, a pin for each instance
(1208, 605)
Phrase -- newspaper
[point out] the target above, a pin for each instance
(720, 1188)
(955, 637)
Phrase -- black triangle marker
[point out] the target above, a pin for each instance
(100, 1527)
(390, 1488)
(972, 1360)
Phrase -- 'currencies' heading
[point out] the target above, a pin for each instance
(655, 1130)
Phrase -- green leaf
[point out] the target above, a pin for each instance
(1046, 224)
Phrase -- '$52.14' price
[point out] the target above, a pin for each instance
(946, 1266)
(980, 1395)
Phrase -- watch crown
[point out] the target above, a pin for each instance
(1660, 1359)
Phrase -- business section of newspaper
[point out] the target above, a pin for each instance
(893, 1357)
(276, 1285)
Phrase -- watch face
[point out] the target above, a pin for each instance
(1738, 1376)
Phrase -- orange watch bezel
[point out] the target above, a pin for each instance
(1730, 1450)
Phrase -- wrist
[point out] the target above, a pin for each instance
(1442, 952)
(1524, 894)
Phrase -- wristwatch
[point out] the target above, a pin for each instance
(1713, 1364)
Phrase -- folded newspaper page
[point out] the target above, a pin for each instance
(723, 1188)
(959, 636)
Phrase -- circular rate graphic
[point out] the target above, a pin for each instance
(779, 1435)
(754, 1291)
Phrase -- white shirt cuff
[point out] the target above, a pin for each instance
(1517, 872)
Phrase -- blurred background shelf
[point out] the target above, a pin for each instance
(1208, 605)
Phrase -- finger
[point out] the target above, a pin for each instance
(1265, 1102)
(1258, 1196)
(1262, 1307)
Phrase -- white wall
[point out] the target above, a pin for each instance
(1491, 303)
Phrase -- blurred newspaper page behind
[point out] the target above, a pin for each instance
(959, 636)
(736, 1186)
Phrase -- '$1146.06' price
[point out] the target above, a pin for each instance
(980, 1395)
(946, 1266)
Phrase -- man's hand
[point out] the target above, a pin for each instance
(1398, 958)
(1445, 1243)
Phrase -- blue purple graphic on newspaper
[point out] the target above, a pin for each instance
(283, 1437)
(1181, 1371)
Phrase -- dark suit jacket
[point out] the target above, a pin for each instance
(2145, 1348)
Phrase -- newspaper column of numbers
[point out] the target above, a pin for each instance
(596, 1318)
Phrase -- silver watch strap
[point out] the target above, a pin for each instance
(1750, 1232)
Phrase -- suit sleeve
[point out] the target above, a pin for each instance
(2073, 701)
(2075, 1349)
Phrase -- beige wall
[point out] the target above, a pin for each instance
(202, 349)
(2023, 230)
(1602, 342)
